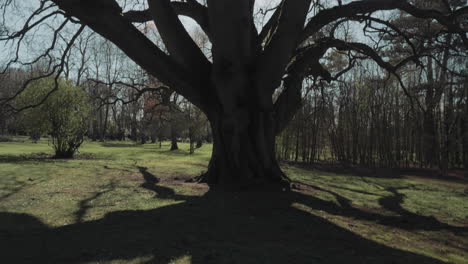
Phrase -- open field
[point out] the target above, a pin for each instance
(118, 202)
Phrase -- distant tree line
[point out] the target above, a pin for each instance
(374, 123)
(371, 118)
(116, 112)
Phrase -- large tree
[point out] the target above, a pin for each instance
(249, 65)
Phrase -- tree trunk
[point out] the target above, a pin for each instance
(465, 130)
(104, 128)
(243, 152)
(64, 154)
(429, 139)
(174, 145)
(191, 140)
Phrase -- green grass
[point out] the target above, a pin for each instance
(39, 182)
(120, 202)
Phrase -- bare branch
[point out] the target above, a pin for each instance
(57, 69)
(369, 6)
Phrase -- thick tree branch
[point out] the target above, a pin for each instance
(177, 41)
(327, 16)
(363, 49)
(306, 62)
(288, 102)
(268, 30)
(191, 9)
(104, 17)
(276, 56)
(371, 53)
(368, 6)
(449, 21)
(234, 50)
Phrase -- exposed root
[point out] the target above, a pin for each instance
(278, 183)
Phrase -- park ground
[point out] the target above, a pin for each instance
(120, 202)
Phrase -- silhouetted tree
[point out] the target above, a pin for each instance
(235, 87)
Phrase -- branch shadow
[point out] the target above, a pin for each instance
(453, 175)
(119, 145)
(42, 157)
(403, 219)
(11, 186)
(151, 182)
(84, 205)
(410, 220)
(36, 157)
(254, 227)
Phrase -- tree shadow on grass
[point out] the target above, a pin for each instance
(8, 190)
(42, 157)
(84, 205)
(120, 145)
(151, 184)
(250, 227)
(402, 219)
(408, 219)
(454, 175)
(181, 152)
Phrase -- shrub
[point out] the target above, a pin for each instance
(63, 115)
(5, 139)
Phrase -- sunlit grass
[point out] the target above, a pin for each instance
(109, 177)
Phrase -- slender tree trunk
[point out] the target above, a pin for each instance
(191, 141)
(298, 130)
(465, 130)
(104, 128)
(429, 138)
(174, 145)
(133, 128)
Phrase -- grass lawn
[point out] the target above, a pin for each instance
(119, 202)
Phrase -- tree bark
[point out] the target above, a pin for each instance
(243, 152)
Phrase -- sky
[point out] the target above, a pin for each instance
(16, 17)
